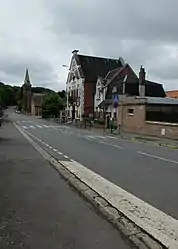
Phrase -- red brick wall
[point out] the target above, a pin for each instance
(128, 71)
(89, 88)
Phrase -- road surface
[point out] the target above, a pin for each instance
(38, 209)
(147, 171)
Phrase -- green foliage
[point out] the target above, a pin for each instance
(41, 90)
(52, 105)
(8, 95)
(12, 95)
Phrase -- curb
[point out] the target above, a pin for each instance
(136, 235)
(133, 139)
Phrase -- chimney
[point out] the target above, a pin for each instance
(142, 82)
(75, 51)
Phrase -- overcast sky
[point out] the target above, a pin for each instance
(41, 34)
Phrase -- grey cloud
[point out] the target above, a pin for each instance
(141, 31)
(40, 71)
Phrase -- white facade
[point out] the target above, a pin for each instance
(100, 93)
(75, 84)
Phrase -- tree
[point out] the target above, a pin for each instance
(52, 105)
(62, 94)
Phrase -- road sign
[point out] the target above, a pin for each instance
(116, 100)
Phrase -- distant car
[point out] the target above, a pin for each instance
(17, 111)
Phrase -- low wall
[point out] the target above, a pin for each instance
(152, 128)
(161, 129)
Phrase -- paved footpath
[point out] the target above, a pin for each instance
(38, 209)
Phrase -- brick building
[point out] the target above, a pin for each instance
(156, 116)
(172, 94)
(142, 105)
(81, 83)
(126, 83)
(31, 102)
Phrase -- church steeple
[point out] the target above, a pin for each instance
(27, 78)
(27, 93)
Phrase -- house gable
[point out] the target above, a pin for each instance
(75, 70)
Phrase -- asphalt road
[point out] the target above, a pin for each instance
(147, 171)
(37, 207)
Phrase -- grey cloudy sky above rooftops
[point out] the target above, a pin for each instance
(41, 35)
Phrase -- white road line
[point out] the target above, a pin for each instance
(160, 225)
(89, 137)
(39, 126)
(66, 156)
(157, 157)
(46, 126)
(60, 153)
(25, 127)
(113, 145)
(55, 150)
(111, 137)
(102, 137)
(31, 126)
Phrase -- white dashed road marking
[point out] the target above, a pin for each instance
(157, 157)
(113, 145)
(111, 137)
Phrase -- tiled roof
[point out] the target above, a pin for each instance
(163, 101)
(152, 89)
(93, 67)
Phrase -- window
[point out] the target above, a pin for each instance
(130, 111)
(98, 93)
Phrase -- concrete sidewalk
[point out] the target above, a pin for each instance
(38, 209)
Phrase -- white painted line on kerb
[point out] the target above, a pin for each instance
(66, 156)
(157, 157)
(161, 226)
(54, 149)
(60, 153)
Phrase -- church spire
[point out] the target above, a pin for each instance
(27, 78)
